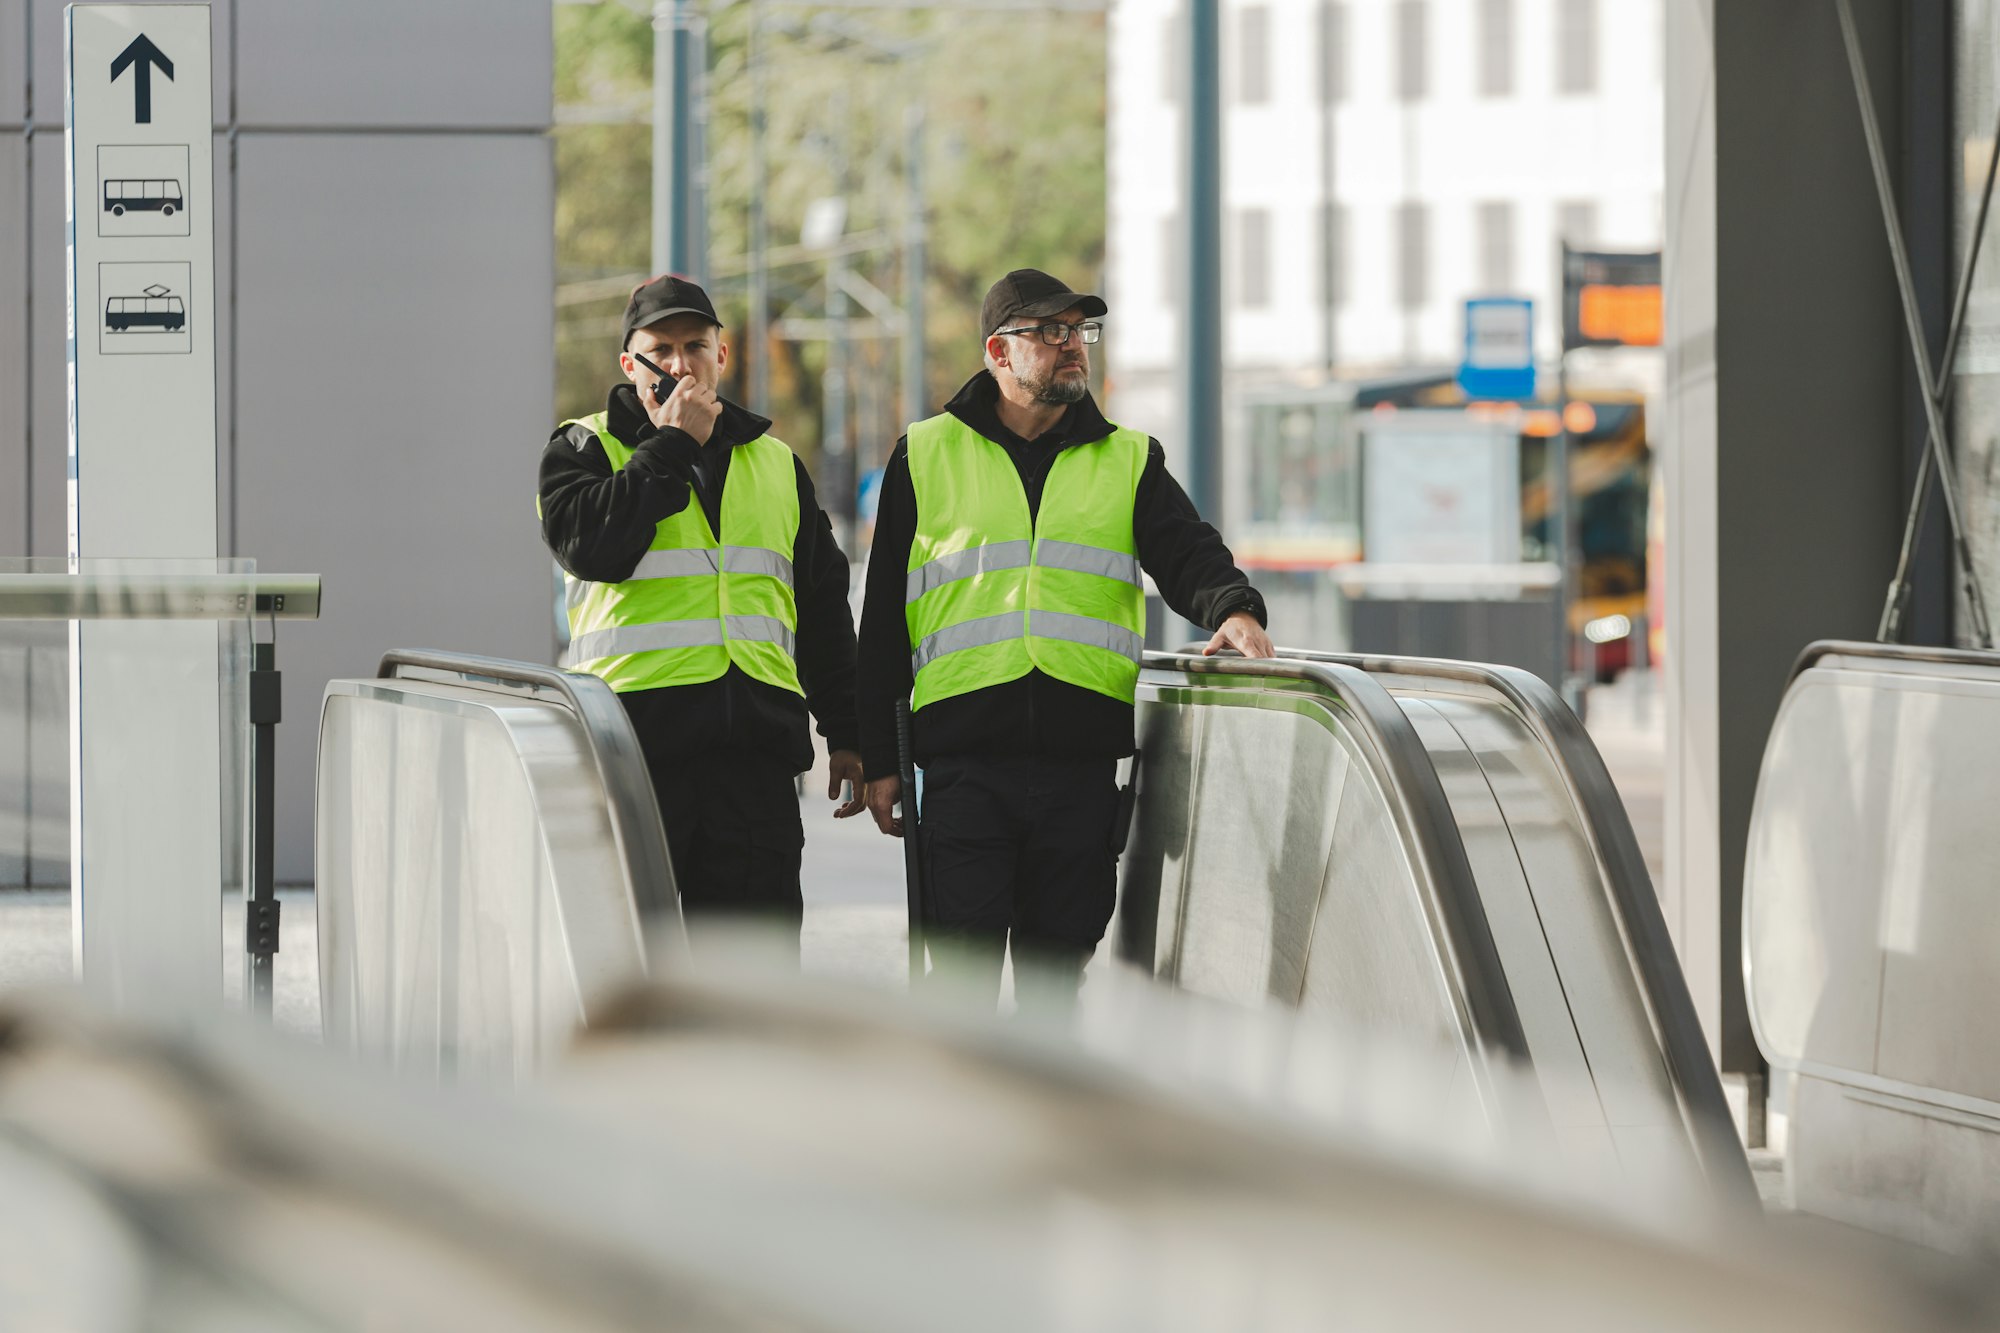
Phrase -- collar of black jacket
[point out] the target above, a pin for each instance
(629, 422)
(976, 404)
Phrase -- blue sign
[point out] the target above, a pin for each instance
(1499, 349)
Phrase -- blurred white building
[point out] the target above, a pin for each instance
(1383, 161)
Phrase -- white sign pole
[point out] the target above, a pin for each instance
(145, 737)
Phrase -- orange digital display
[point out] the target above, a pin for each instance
(1629, 315)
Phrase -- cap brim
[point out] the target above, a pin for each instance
(658, 316)
(1092, 306)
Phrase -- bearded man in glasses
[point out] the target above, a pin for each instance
(1005, 602)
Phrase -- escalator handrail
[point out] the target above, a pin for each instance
(1413, 784)
(1615, 848)
(614, 752)
(1889, 652)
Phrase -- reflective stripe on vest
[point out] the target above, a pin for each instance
(692, 607)
(1043, 624)
(992, 594)
(622, 640)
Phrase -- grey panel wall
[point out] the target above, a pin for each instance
(472, 64)
(394, 379)
(384, 182)
(13, 347)
(13, 63)
(48, 387)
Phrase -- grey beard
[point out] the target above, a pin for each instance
(1057, 392)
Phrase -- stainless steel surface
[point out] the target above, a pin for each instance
(1877, 654)
(486, 862)
(1292, 841)
(139, 595)
(1870, 929)
(1586, 946)
(620, 767)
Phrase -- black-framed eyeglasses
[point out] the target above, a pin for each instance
(1055, 333)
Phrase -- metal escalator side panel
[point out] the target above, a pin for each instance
(1152, 873)
(622, 775)
(1255, 868)
(1376, 954)
(1600, 812)
(1561, 1066)
(1344, 702)
(471, 897)
(1655, 961)
(1602, 1040)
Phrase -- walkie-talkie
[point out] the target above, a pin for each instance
(664, 386)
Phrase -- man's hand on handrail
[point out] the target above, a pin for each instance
(1241, 632)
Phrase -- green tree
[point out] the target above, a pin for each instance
(1014, 104)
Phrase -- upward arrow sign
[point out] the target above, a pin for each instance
(143, 55)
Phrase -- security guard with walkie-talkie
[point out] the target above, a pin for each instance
(1005, 602)
(705, 586)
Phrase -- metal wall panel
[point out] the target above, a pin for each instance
(47, 19)
(13, 345)
(13, 65)
(225, 347)
(394, 386)
(48, 373)
(400, 63)
(14, 763)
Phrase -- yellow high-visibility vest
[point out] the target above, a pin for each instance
(694, 606)
(993, 593)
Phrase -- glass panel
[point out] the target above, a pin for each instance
(180, 622)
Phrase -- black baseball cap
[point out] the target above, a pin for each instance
(663, 298)
(1029, 293)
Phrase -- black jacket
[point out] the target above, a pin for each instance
(599, 522)
(1037, 714)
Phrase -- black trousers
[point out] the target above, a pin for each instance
(734, 833)
(1018, 847)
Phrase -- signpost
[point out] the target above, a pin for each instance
(1499, 359)
(146, 875)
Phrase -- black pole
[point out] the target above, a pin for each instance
(260, 917)
(913, 856)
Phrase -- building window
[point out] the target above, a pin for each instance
(1412, 54)
(1332, 51)
(1576, 46)
(1576, 223)
(1173, 75)
(1333, 254)
(1496, 48)
(1253, 258)
(1172, 278)
(1412, 255)
(1253, 55)
(1496, 248)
